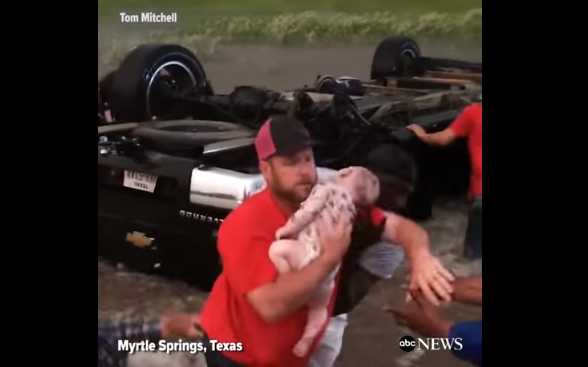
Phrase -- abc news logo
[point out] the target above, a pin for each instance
(408, 343)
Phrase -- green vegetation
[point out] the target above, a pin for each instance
(306, 21)
(192, 8)
(202, 24)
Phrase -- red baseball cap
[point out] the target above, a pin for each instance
(281, 135)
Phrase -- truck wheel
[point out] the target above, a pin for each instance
(141, 86)
(188, 136)
(394, 56)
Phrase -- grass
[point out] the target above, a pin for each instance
(202, 24)
(193, 8)
(305, 20)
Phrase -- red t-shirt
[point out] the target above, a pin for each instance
(469, 125)
(244, 240)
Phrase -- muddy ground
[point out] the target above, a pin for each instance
(372, 336)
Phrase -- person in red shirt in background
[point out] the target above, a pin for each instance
(467, 125)
(253, 315)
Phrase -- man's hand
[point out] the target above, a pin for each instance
(295, 289)
(441, 138)
(335, 239)
(428, 275)
(419, 315)
(181, 325)
(417, 130)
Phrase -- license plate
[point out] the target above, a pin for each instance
(140, 181)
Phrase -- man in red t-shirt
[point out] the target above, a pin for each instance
(253, 315)
(467, 125)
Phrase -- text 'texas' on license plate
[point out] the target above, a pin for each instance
(140, 181)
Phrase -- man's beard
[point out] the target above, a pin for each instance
(296, 195)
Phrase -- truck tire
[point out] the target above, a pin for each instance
(137, 87)
(185, 136)
(393, 57)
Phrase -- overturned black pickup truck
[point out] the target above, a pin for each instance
(174, 157)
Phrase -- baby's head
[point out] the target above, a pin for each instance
(363, 185)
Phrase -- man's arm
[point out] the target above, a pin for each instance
(129, 329)
(427, 273)
(459, 128)
(291, 291)
(422, 317)
(170, 325)
(468, 290)
(412, 237)
(441, 138)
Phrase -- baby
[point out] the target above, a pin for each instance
(298, 241)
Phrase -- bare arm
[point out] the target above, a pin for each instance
(291, 291)
(427, 272)
(441, 138)
(412, 237)
(422, 317)
(468, 290)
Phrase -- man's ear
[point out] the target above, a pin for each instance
(264, 168)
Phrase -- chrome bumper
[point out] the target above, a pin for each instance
(226, 189)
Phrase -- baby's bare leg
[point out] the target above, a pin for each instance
(286, 255)
(317, 318)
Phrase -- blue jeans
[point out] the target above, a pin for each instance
(473, 237)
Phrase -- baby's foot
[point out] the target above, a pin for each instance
(301, 348)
